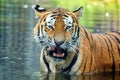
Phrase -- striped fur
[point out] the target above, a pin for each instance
(70, 48)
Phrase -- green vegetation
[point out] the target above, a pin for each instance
(95, 11)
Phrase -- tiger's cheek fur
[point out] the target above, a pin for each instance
(50, 34)
(68, 36)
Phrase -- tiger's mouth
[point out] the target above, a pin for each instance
(58, 53)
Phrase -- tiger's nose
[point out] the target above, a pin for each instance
(58, 43)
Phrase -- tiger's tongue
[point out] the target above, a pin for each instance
(59, 53)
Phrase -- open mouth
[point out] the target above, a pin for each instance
(58, 52)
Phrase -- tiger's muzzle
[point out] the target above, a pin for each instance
(57, 52)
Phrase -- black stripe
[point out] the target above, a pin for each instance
(107, 46)
(90, 38)
(118, 47)
(78, 30)
(65, 15)
(48, 67)
(38, 31)
(44, 19)
(113, 65)
(68, 69)
(91, 63)
(91, 47)
(79, 67)
(76, 10)
(53, 16)
(91, 43)
(86, 33)
(74, 37)
(74, 32)
(118, 40)
(101, 48)
(113, 61)
(119, 68)
(84, 67)
(94, 46)
(118, 32)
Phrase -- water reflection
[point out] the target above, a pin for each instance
(58, 76)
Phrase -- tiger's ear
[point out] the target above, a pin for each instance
(78, 12)
(39, 10)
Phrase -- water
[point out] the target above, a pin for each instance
(18, 58)
(19, 55)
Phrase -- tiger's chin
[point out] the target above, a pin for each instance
(57, 53)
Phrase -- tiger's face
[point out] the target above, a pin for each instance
(58, 31)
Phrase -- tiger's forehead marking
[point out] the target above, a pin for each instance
(68, 20)
(50, 20)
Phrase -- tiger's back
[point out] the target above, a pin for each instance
(108, 51)
(103, 51)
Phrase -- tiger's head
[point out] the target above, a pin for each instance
(58, 31)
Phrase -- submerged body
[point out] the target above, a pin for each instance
(70, 48)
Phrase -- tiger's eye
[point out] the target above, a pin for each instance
(51, 27)
(68, 27)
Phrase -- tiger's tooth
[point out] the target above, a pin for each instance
(54, 54)
(62, 54)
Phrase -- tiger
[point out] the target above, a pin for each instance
(69, 48)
